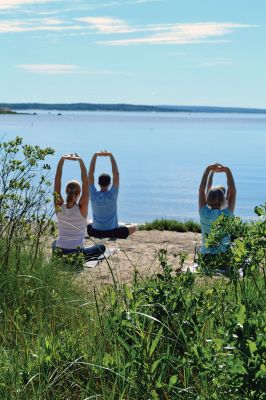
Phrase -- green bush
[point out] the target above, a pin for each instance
(171, 225)
(25, 197)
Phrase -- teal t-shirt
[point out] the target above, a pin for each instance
(207, 217)
(104, 208)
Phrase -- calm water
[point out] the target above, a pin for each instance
(160, 156)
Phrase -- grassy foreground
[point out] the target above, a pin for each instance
(169, 337)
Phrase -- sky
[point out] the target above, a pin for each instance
(192, 52)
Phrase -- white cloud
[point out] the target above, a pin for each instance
(48, 69)
(185, 33)
(107, 25)
(68, 6)
(63, 69)
(45, 24)
(174, 33)
(7, 4)
(151, 34)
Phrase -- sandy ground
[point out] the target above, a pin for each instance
(140, 253)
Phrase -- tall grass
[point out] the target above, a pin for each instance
(167, 337)
(171, 225)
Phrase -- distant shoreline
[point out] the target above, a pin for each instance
(127, 108)
(7, 112)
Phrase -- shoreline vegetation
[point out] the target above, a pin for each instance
(171, 225)
(169, 335)
(3, 111)
(128, 108)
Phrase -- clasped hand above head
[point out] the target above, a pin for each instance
(103, 153)
(217, 167)
(72, 156)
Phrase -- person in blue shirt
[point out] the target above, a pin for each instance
(104, 203)
(213, 202)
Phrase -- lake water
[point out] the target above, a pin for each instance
(161, 156)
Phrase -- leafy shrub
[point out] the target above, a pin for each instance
(25, 207)
(193, 337)
(171, 225)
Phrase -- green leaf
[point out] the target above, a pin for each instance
(155, 342)
(128, 293)
(219, 343)
(154, 395)
(155, 365)
(124, 344)
(173, 380)
(113, 297)
(263, 367)
(258, 210)
(241, 315)
(238, 368)
(252, 346)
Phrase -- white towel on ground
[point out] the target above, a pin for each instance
(108, 253)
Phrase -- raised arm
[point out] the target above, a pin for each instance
(58, 200)
(210, 179)
(84, 199)
(115, 171)
(92, 169)
(203, 183)
(231, 191)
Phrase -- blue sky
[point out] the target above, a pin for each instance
(192, 52)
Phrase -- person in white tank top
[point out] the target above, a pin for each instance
(72, 214)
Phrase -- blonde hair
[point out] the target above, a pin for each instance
(216, 197)
(72, 189)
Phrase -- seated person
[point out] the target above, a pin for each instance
(72, 215)
(212, 205)
(209, 185)
(104, 203)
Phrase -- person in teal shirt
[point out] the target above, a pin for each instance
(212, 203)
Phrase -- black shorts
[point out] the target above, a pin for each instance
(121, 232)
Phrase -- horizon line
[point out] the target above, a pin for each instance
(170, 107)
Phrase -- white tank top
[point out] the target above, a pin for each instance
(72, 227)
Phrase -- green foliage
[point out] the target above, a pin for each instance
(25, 207)
(247, 251)
(190, 338)
(172, 336)
(72, 262)
(171, 225)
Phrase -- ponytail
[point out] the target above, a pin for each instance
(216, 197)
(72, 189)
(70, 196)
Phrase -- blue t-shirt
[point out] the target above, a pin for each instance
(207, 217)
(104, 208)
